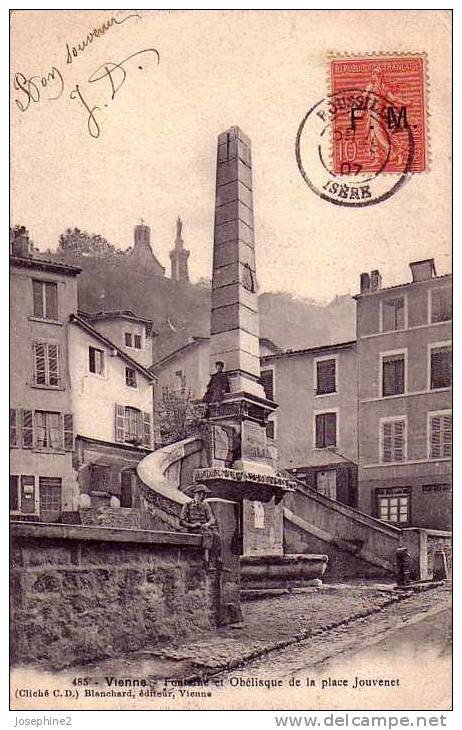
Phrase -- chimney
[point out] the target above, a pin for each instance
(364, 283)
(423, 270)
(376, 280)
(20, 244)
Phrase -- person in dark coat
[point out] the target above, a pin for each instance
(218, 385)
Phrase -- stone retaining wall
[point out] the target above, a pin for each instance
(83, 593)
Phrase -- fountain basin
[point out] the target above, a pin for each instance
(281, 571)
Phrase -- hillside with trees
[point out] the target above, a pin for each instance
(111, 279)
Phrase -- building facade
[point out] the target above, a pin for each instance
(315, 425)
(113, 413)
(404, 350)
(43, 482)
(132, 334)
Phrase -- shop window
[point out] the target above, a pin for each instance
(393, 505)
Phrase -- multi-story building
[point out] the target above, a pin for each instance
(404, 351)
(112, 397)
(315, 425)
(132, 334)
(43, 482)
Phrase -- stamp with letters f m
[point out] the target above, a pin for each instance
(397, 82)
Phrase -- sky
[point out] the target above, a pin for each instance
(155, 154)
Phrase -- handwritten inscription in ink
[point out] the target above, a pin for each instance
(73, 52)
(116, 74)
(108, 79)
(34, 88)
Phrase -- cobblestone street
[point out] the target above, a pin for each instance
(394, 644)
(336, 631)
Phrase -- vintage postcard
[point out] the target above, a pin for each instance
(231, 360)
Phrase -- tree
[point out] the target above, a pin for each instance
(81, 243)
(177, 414)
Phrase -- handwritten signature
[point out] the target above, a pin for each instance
(116, 75)
(51, 86)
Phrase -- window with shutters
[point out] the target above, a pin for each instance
(440, 367)
(128, 339)
(326, 376)
(45, 296)
(441, 304)
(44, 430)
(132, 426)
(147, 439)
(393, 373)
(48, 430)
(325, 430)
(393, 314)
(14, 428)
(137, 341)
(393, 440)
(27, 429)
(96, 361)
(440, 435)
(46, 365)
(393, 505)
(267, 380)
(119, 423)
(130, 377)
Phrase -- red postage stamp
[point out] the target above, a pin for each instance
(385, 130)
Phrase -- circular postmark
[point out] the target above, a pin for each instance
(354, 149)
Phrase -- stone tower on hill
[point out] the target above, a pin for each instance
(143, 254)
(179, 256)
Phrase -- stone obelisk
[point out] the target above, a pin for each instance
(242, 414)
(234, 323)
